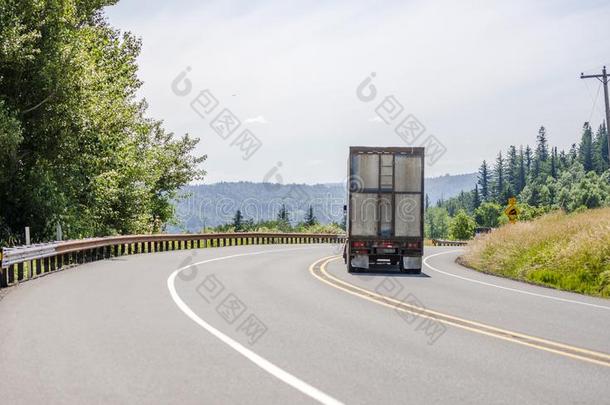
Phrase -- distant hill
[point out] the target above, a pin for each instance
(215, 204)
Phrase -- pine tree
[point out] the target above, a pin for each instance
(563, 160)
(522, 171)
(476, 198)
(483, 181)
(528, 161)
(585, 149)
(542, 147)
(542, 155)
(238, 221)
(573, 154)
(512, 166)
(499, 181)
(554, 163)
(282, 215)
(600, 150)
(310, 219)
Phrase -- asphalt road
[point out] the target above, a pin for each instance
(275, 324)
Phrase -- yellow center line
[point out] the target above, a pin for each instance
(318, 270)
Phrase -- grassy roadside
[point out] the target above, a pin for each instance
(566, 251)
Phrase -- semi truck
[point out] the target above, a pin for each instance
(385, 208)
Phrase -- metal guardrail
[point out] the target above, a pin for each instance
(442, 242)
(26, 253)
(28, 262)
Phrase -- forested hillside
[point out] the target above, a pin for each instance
(542, 178)
(76, 145)
(216, 204)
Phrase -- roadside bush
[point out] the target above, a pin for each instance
(488, 214)
(462, 226)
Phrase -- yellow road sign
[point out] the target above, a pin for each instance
(512, 212)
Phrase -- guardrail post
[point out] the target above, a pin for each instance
(19, 271)
(3, 277)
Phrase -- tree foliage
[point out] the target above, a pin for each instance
(310, 218)
(542, 180)
(436, 224)
(76, 146)
(488, 214)
(462, 226)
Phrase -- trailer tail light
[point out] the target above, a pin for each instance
(358, 244)
(412, 245)
(386, 244)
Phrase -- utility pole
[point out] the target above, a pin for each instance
(604, 79)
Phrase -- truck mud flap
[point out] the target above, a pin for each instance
(412, 263)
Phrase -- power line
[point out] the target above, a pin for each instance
(603, 78)
(594, 100)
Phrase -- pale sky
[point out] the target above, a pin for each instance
(479, 75)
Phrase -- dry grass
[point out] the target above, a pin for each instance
(566, 251)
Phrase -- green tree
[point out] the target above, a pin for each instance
(437, 223)
(499, 180)
(488, 214)
(512, 170)
(462, 226)
(476, 198)
(80, 149)
(585, 150)
(522, 172)
(310, 219)
(600, 150)
(579, 189)
(283, 216)
(542, 154)
(483, 181)
(238, 221)
(528, 162)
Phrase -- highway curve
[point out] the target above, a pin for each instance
(287, 324)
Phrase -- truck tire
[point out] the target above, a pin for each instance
(350, 268)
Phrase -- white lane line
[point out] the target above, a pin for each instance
(505, 288)
(266, 365)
